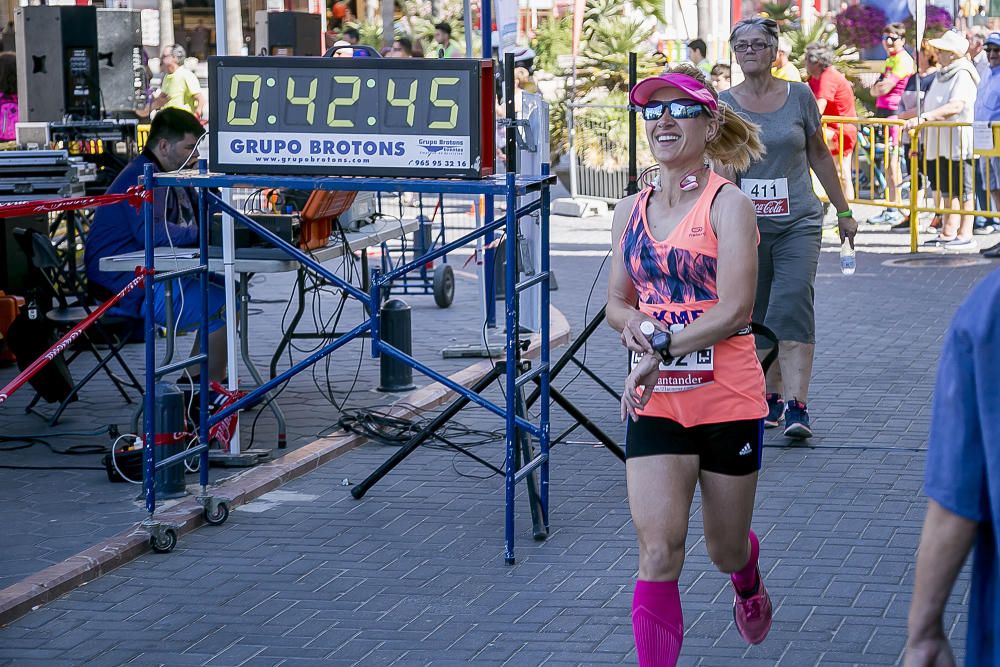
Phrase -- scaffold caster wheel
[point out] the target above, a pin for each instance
(163, 541)
(218, 517)
(444, 285)
(216, 510)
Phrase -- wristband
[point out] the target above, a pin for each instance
(846, 214)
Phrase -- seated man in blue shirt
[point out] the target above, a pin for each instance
(118, 229)
(962, 481)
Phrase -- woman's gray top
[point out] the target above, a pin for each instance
(780, 183)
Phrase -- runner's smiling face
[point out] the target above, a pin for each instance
(673, 140)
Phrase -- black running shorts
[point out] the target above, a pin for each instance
(727, 448)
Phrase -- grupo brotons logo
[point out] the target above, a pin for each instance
(442, 147)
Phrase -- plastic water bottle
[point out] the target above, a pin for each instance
(848, 262)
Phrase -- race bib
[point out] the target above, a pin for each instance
(770, 197)
(684, 373)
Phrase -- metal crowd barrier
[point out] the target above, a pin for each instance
(871, 158)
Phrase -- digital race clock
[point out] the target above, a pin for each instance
(351, 116)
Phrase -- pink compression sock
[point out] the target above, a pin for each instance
(657, 623)
(745, 580)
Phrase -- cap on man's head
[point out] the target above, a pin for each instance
(993, 38)
(784, 45)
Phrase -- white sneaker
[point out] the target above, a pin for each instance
(961, 244)
(886, 217)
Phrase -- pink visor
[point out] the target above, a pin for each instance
(644, 89)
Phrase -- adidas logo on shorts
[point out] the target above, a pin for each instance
(746, 451)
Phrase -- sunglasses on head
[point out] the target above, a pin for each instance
(676, 109)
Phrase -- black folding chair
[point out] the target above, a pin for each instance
(73, 307)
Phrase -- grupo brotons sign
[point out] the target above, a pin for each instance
(352, 116)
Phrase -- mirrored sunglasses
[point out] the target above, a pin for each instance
(676, 109)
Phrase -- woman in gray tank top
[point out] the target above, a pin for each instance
(789, 215)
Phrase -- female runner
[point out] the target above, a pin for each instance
(684, 270)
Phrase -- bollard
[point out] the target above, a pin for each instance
(422, 236)
(169, 424)
(395, 375)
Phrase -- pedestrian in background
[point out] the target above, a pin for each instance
(888, 90)
(783, 68)
(443, 46)
(977, 39)
(180, 88)
(962, 483)
(697, 49)
(402, 47)
(950, 98)
(834, 97)
(927, 69)
(987, 110)
(721, 77)
(351, 36)
(789, 214)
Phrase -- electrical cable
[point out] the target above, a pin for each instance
(273, 395)
(321, 324)
(114, 462)
(75, 450)
(390, 430)
(61, 434)
(586, 319)
(32, 440)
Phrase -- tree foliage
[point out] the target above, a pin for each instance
(611, 30)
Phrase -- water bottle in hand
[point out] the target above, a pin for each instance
(848, 262)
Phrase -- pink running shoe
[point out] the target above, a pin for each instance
(753, 614)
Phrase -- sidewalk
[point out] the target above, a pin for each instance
(413, 573)
(54, 506)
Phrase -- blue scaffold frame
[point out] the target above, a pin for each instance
(510, 186)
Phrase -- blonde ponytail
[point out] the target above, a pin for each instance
(738, 142)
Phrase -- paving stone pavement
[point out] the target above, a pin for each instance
(413, 573)
(50, 515)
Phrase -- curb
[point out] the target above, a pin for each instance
(56, 580)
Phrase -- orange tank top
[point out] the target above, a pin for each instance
(676, 283)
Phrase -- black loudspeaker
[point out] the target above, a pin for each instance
(119, 61)
(57, 63)
(288, 34)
